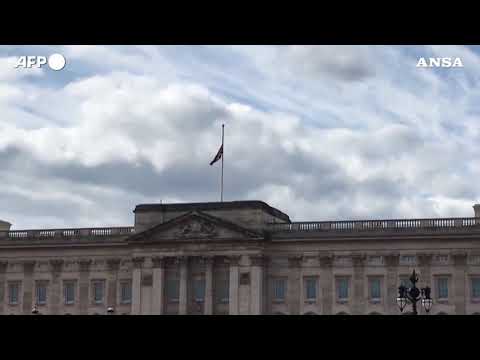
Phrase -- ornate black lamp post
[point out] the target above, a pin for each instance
(413, 295)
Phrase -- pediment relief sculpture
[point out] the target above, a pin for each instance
(197, 228)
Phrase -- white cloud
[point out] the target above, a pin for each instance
(327, 133)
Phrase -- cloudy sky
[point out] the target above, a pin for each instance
(320, 132)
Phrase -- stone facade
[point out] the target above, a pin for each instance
(241, 257)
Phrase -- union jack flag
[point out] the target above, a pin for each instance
(218, 156)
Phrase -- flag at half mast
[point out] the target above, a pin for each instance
(218, 156)
(215, 159)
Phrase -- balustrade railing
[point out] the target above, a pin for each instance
(68, 233)
(375, 225)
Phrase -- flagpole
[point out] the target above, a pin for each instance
(223, 154)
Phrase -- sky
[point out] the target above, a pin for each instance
(319, 132)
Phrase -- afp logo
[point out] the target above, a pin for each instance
(440, 62)
(55, 62)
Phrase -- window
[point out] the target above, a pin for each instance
(342, 289)
(279, 289)
(125, 292)
(407, 259)
(442, 288)
(199, 290)
(173, 290)
(375, 289)
(375, 260)
(222, 287)
(13, 293)
(69, 292)
(476, 288)
(310, 289)
(41, 293)
(475, 259)
(98, 291)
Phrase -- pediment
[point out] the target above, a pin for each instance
(196, 226)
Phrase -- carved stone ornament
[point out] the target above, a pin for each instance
(147, 280)
(3, 266)
(113, 263)
(245, 278)
(56, 265)
(138, 262)
(295, 261)
(158, 261)
(84, 264)
(197, 228)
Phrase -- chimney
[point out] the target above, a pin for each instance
(476, 208)
(5, 225)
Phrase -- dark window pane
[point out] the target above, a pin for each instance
(173, 290)
(279, 289)
(199, 289)
(375, 291)
(311, 289)
(126, 292)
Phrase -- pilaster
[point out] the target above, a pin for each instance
(137, 285)
(113, 264)
(391, 263)
(234, 284)
(459, 281)
(257, 284)
(359, 298)
(326, 283)
(158, 263)
(28, 299)
(183, 293)
(56, 266)
(84, 285)
(293, 285)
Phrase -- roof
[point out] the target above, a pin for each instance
(196, 214)
(206, 206)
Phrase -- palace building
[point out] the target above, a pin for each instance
(239, 257)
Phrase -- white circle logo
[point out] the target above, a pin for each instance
(56, 62)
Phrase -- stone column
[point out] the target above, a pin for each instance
(326, 283)
(158, 263)
(425, 278)
(84, 285)
(359, 298)
(294, 286)
(234, 285)
(459, 282)
(28, 299)
(391, 262)
(113, 266)
(208, 304)
(183, 293)
(56, 288)
(256, 284)
(137, 285)
(3, 297)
